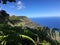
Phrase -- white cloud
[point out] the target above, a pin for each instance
(19, 2)
(20, 5)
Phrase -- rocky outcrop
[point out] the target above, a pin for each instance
(23, 21)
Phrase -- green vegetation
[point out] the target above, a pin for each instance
(23, 35)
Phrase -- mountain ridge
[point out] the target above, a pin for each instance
(23, 21)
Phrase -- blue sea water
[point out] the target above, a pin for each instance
(51, 22)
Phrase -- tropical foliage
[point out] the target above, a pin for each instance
(19, 35)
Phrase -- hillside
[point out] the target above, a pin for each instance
(23, 21)
(17, 30)
(26, 22)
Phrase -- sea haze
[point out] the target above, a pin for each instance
(51, 22)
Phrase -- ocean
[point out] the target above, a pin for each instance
(51, 22)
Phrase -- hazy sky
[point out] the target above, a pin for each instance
(33, 8)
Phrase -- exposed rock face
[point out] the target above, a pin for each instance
(23, 21)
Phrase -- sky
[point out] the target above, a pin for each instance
(33, 8)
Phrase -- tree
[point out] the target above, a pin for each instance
(4, 16)
(16, 40)
(13, 36)
(5, 1)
